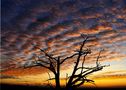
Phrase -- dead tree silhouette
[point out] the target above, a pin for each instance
(52, 63)
(76, 79)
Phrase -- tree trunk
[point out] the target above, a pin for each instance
(57, 80)
(57, 76)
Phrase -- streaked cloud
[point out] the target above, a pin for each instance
(56, 25)
(7, 77)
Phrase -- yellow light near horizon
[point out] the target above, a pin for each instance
(108, 77)
(99, 82)
(111, 82)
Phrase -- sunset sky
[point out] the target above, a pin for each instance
(55, 26)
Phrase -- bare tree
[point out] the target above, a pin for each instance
(52, 63)
(76, 79)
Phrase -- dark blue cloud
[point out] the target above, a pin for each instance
(57, 24)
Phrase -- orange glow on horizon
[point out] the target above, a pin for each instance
(99, 82)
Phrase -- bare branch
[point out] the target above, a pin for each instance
(68, 57)
(46, 54)
(89, 68)
(90, 71)
(36, 64)
(79, 84)
(42, 61)
(78, 59)
(66, 77)
(83, 63)
(93, 70)
(83, 52)
(43, 65)
(49, 80)
(89, 80)
(97, 64)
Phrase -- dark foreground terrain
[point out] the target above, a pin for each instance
(21, 87)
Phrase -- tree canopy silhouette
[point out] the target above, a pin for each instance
(54, 64)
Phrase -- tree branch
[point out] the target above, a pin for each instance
(97, 64)
(46, 54)
(42, 61)
(68, 57)
(77, 85)
(83, 63)
(78, 59)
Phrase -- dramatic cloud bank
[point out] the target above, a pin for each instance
(56, 25)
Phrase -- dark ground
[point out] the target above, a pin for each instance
(21, 87)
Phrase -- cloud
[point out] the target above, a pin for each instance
(7, 77)
(56, 26)
(111, 74)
